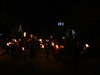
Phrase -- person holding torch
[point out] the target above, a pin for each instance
(31, 48)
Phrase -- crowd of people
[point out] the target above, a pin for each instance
(75, 48)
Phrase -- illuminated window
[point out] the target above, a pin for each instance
(62, 23)
(59, 23)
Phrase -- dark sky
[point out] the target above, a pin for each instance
(43, 14)
(39, 11)
(40, 14)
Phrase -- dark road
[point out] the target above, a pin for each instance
(20, 65)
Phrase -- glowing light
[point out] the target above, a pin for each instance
(73, 32)
(40, 40)
(31, 35)
(7, 44)
(86, 45)
(0, 34)
(24, 34)
(42, 46)
(63, 37)
(51, 36)
(52, 43)
(62, 23)
(19, 39)
(15, 40)
(59, 23)
(57, 46)
(62, 46)
(47, 40)
(22, 48)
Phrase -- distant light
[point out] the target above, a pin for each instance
(52, 43)
(57, 46)
(42, 46)
(86, 45)
(59, 23)
(51, 37)
(31, 35)
(73, 32)
(62, 46)
(7, 44)
(62, 23)
(22, 48)
(40, 40)
(47, 40)
(63, 37)
(24, 34)
(15, 40)
(19, 39)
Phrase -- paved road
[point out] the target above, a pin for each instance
(20, 65)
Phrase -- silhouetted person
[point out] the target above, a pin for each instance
(31, 48)
(61, 50)
(57, 52)
(70, 47)
(76, 54)
(7, 46)
(36, 46)
(47, 49)
(20, 48)
(85, 53)
(81, 48)
(13, 48)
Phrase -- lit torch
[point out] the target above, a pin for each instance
(61, 46)
(23, 48)
(7, 44)
(40, 40)
(52, 43)
(57, 46)
(86, 45)
(15, 40)
(42, 46)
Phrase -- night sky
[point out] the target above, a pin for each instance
(39, 13)
(42, 15)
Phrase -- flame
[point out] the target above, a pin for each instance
(22, 48)
(42, 46)
(52, 43)
(7, 44)
(57, 46)
(86, 45)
